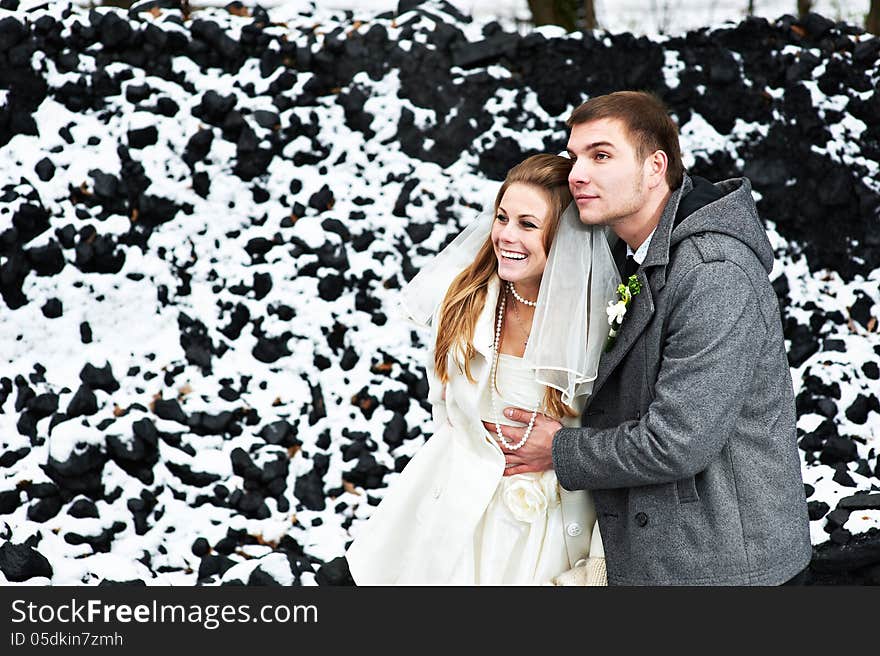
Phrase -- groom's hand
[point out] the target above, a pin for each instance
(536, 454)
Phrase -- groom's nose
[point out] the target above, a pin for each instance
(578, 175)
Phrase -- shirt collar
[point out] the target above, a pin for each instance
(642, 251)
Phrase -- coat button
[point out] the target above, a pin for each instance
(641, 519)
(574, 529)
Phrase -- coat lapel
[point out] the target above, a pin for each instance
(484, 329)
(641, 308)
(638, 316)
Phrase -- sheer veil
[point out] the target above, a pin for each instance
(570, 325)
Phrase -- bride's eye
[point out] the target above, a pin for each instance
(501, 218)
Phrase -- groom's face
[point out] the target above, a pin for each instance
(607, 179)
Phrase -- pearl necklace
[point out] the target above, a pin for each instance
(496, 346)
(518, 297)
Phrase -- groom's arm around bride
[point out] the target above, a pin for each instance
(688, 441)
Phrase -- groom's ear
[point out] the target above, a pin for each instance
(656, 165)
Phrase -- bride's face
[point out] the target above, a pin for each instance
(518, 236)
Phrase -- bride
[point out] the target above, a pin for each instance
(517, 309)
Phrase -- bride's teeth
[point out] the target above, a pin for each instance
(513, 256)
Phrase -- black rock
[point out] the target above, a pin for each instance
(349, 359)
(201, 183)
(836, 518)
(322, 199)
(44, 509)
(482, 53)
(135, 456)
(47, 260)
(309, 490)
(840, 536)
(9, 501)
(101, 379)
(13, 456)
(85, 332)
(99, 255)
(397, 400)
(334, 572)
(261, 578)
(211, 565)
(266, 119)
(114, 31)
(419, 232)
(238, 319)
(395, 431)
(860, 502)
(280, 433)
(203, 423)
(271, 349)
(52, 308)
(331, 286)
(143, 137)
(861, 309)
(83, 508)
(838, 449)
(842, 477)
(12, 275)
(200, 547)
(84, 402)
(817, 509)
(262, 285)
(190, 477)
(197, 147)
(20, 562)
(803, 345)
(858, 411)
(11, 33)
(211, 33)
(45, 169)
(30, 220)
(80, 473)
(169, 409)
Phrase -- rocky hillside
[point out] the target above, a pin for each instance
(205, 219)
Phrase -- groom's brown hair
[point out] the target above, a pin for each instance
(647, 122)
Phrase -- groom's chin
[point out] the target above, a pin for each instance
(590, 218)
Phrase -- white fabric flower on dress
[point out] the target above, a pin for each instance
(551, 488)
(526, 498)
(616, 311)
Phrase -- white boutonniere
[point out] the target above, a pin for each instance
(617, 309)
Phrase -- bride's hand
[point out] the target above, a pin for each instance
(536, 454)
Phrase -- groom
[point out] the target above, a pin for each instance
(688, 440)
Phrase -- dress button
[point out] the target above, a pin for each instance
(641, 519)
(573, 529)
(437, 491)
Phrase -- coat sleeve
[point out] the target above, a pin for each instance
(712, 341)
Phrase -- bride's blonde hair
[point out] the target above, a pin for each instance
(467, 294)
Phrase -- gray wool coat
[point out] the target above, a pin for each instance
(688, 442)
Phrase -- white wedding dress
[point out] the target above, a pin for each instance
(515, 535)
(520, 538)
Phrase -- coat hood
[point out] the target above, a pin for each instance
(733, 214)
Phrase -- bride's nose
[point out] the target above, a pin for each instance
(508, 233)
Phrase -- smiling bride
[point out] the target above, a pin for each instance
(517, 309)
